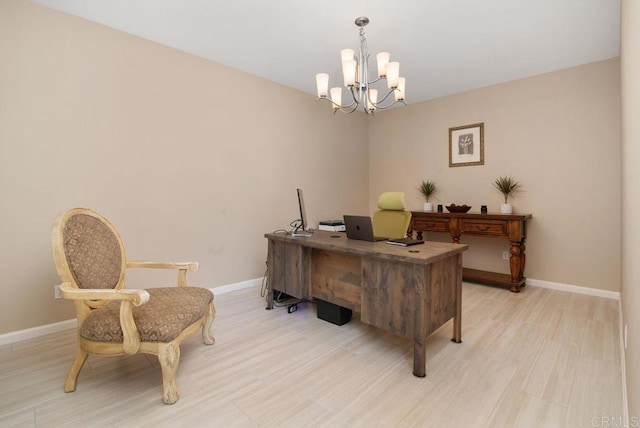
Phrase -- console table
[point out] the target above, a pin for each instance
(411, 291)
(510, 226)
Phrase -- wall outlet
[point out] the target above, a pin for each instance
(505, 255)
(56, 292)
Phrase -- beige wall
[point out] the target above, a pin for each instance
(557, 133)
(191, 160)
(630, 70)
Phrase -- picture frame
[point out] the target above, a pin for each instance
(466, 145)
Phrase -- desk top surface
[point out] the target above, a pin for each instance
(426, 253)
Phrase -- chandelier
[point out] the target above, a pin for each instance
(355, 72)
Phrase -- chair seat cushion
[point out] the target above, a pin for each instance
(167, 313)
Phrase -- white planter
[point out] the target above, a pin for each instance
(427, 206)
(506, 209)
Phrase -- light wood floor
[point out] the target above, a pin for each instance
(540, 358)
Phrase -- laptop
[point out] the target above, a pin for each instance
(360, 227)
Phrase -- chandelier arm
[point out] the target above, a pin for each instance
(379, 103)
(344, 110)
(350, 108)
(356, 94)
(391, 105)
(339, 105)
(385, 97)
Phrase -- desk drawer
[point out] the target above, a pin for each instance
(430, 224)
(484, 227)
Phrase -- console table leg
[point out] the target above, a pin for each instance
(516, 266)
(523, 259)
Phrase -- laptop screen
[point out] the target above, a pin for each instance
(361, 228)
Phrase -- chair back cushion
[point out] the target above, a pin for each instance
(167, 313)
(392, 201)
(391, 224)
(93, 251)
(392, 220)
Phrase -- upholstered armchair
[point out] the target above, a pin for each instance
(392, 220)
(90, 260)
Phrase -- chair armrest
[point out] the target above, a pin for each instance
(128, 298)
(137, 297)
(192, 266)
(182, 268)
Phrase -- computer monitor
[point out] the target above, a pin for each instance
(301, 227)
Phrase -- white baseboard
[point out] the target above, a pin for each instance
(223, 289)
(574, 289)
(30, 333)
(43, 330)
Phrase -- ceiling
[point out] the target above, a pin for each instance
(443, 46)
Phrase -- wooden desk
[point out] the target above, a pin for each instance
(511, 226)
(407, 293)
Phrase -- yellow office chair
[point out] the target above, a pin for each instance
(392, 220)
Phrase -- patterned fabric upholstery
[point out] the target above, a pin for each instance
(158, 320)
(92, 251)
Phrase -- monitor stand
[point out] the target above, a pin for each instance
(301, 232)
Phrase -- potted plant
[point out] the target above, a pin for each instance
(427, 188)
(508, 186)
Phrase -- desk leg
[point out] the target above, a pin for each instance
(457, 319)
(421, 288)
(269, 299)
(419, 356)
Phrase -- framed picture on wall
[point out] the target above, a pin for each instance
(466, 145)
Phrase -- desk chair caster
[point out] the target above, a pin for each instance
(292, 308)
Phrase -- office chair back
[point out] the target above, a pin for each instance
(393, 219)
